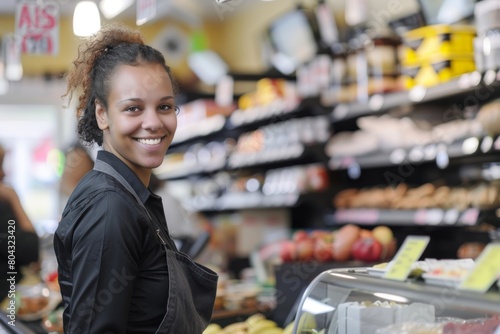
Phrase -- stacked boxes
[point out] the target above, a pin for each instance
(434, 54)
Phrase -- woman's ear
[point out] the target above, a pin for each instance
(101, 116)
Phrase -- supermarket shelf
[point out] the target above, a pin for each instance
(439, 153)
(166, 172)
(275, 112)
(427, 217)
(268, 156)
(378, 103)
(209, 126)
(240, 201)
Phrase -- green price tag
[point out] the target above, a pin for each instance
(409, 252)
(485, 272)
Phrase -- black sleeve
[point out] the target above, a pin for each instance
(105, 254)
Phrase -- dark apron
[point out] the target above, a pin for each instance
(192, 287)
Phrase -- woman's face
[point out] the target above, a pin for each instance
(141, 119)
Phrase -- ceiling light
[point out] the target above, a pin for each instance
(86, 19)
(111, 8)
(4, 84)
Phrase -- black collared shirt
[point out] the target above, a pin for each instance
(112, 268)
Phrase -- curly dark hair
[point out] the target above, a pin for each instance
(98, 57)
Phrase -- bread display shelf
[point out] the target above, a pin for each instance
(463, 85)
(428, 217)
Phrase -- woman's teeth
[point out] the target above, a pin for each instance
(149, 141)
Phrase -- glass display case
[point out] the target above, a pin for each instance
(357, 301)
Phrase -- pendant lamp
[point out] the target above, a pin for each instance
(86, 19)
(111, 8)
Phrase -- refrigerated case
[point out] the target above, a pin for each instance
(351, 301)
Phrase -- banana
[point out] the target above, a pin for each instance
(307, 322)
(289, 328)
(213, 329)
(275, 330)
(254, 318)
(237, 327)
(261, 325)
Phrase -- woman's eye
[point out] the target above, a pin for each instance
(132, 109)
(167, 107)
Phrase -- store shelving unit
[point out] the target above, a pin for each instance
(482, 87)
(472, 89)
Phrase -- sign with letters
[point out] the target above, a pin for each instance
(37, 27)
(146, 11)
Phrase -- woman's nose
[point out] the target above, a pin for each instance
(152, 120)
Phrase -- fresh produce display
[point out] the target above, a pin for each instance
(350, 242)
(255, 324)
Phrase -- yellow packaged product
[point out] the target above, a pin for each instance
(436, 71)
(438, 40)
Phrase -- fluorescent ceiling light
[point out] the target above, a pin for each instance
(86, 19)
(4, 84)
(14, 72)
(111, 8)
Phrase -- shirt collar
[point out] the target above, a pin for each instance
(126, 172)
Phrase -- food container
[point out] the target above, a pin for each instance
(448, 41)
(487, 52)
(436, 71)
(487, 16)
(32, 299)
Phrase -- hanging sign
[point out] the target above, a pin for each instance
(37, 27)
(146, 11)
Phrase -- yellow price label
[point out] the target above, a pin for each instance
(485, 272)
(409, 252)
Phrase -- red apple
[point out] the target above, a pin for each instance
(323, 250)
(288, 251)
(367, 249)
(324, 235)
(300, 235)
(305, 249)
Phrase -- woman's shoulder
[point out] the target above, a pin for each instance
(100, 209)
(95, 183)
(99, 192)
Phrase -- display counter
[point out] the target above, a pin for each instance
(351, 301)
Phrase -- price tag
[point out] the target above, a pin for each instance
(485, 272)
(409, 252)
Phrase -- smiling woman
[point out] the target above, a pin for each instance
(119, 269)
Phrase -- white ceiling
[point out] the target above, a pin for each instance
(201, 8)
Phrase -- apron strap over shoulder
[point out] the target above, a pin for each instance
(104, 167)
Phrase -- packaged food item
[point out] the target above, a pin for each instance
(412, 328)
(33, 299)
(438, 40)
(369, 317)
(437, 53)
